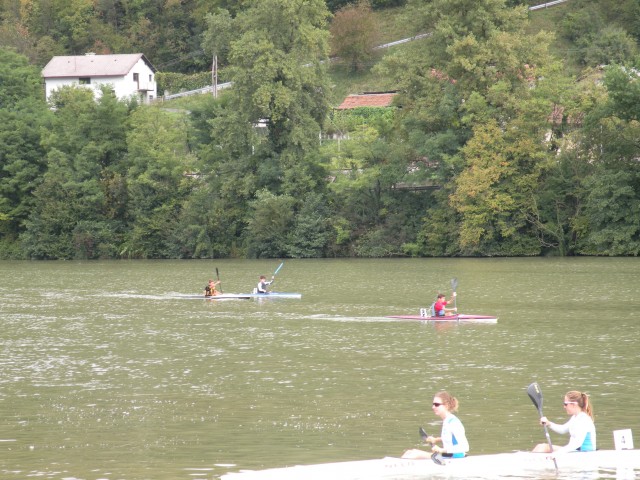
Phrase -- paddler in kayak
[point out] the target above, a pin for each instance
(580, 427)
(210, 290)
(440, 306)
(263, 284)
(453, 437)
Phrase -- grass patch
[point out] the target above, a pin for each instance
(550, 20)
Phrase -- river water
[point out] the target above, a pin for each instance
(109, 371)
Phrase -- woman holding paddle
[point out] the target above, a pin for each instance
(453, 436)
(580, 427)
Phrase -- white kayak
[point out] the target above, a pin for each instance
(611, 463)
(244, 296)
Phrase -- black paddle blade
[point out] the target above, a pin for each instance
(436, 459)
(423, 434)
(454, 284)
(535, 394)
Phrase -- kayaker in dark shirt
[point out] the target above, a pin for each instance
(263, 284)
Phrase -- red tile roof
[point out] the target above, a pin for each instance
(368, 100)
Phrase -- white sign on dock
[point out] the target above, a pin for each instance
(623, 439)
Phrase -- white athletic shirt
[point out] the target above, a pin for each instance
(582, 433)
(454, 439)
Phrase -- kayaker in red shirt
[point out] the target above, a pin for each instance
(441, 303)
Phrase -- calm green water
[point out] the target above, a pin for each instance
(107, 373)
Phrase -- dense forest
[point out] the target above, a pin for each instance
(496, 145)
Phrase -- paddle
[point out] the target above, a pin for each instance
(535, 394)
(454, 285)
(218, 278)
(277, 270)
(434, 456)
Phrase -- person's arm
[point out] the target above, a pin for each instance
(556, 427)
(578, 430)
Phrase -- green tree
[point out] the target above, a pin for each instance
(609, 143)
(77, 214)
(267, 135)
(493, 193)
(23, 113)
(271, 220)
(310, 234)
(158, 181)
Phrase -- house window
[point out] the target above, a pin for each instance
(135, 77)
(150, 77)
(84, 80)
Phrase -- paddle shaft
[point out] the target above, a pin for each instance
(535, 394)
(273, 277)
(454, 285)
(218, 278)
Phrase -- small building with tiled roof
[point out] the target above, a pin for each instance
(130, 75)
(369, 99)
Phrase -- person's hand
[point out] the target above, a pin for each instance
(430, 439)
(544, 421)
(437, 449)
(455, 294)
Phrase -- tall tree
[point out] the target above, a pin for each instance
(159, 181)
(79, 202)
(460, 85)
(22, 114)
(268, 135)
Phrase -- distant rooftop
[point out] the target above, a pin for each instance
(91, 65)
(371, 99)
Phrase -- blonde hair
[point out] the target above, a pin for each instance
(582, 400)
(448, 400)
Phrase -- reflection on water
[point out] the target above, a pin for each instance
(107, 372)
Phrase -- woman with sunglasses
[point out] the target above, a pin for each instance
(580, 427)
(453, 438)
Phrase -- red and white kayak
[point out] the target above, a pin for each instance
(458, 318)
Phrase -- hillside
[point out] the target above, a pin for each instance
(391, 28)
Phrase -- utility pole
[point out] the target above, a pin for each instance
(214, 76)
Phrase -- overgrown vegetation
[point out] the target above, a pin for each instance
(494, 145)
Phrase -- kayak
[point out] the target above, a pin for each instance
(273, 295)
(222, 296)
(244, 296)
(617, 464)
(458, 318)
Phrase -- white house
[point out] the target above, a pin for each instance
(129, 74)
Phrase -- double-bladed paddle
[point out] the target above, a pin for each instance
(277, 270)
(535, 394)
(454, 285)
(434, 456)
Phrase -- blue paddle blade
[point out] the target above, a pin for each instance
(278, 269)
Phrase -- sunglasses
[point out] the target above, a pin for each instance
(569, 403)
(436, 404)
